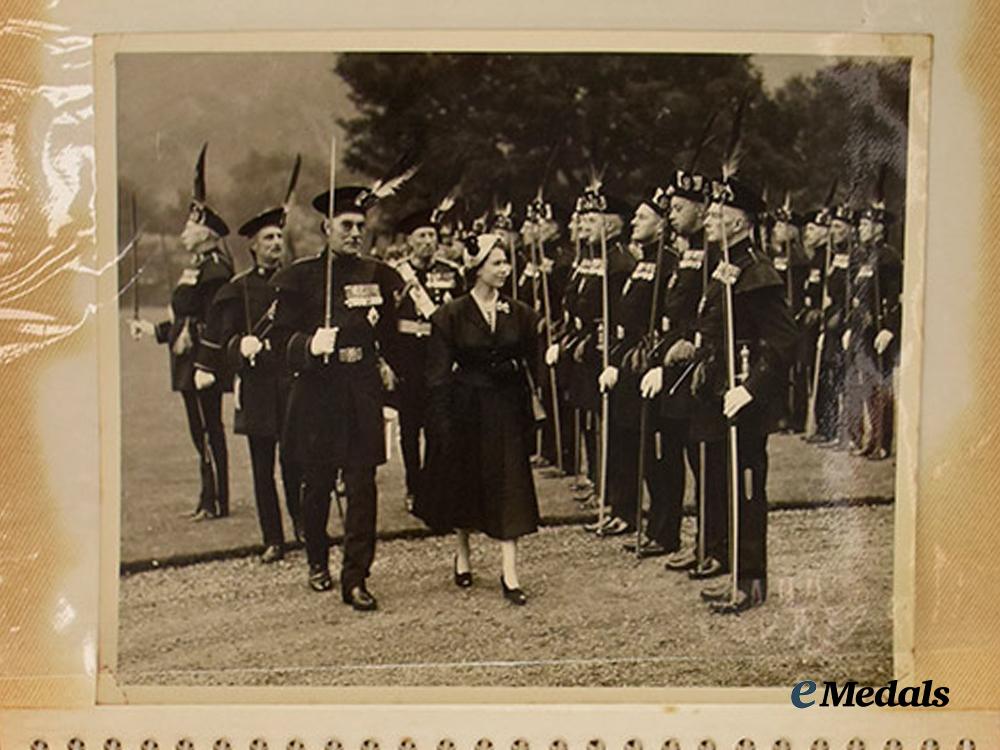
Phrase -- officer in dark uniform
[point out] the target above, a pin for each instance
(565, 354)
(763, 338)
(874, 323)
(835, 258)
(336, 321)
(550, 265)
(429, 281)
(602, 220)
(816, 242)
(669, 381)
(238, 324)
(631, 342)
(209, 269)
(791, 262)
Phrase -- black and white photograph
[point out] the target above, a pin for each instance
(533, 369)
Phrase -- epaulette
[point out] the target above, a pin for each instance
(305, 258)
(760, 273)
(243, 274)
(448, 262)
(212, 269)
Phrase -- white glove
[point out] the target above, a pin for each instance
(682, 350)
(138, 328)
(250, 347)
(552, 355)
(734, 400)
(203, 380)
(608, 379)
(845, 340)
(651, 383)
(882, 340)
(323, 342)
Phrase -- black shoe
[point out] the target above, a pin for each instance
(817, 439)
(742, 603)
(616, 527)
(514, 596)
(647, 549)
(717, 592)
(462, 580)
(709, 568)
(360, 599)
(681, 560)
(272, 554)
(319, 578)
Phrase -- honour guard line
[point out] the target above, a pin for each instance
(622, 345)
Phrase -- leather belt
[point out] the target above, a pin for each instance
(415, 327)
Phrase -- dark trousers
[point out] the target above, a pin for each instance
(590, 439)
(562, 411)
(412, 418)
(752, 506)
(265, 490)
(879, 401)
(853, 411)
(623, 478)
(666, 505)
(798, 400)
(204, 416)
(831, 382)
(359, 519)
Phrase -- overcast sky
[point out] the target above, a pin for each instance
(169, 104)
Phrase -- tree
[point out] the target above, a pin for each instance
(493, 122)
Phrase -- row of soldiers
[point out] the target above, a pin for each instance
(813, 326)
(681, 348)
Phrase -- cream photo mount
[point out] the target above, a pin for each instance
(916, 48)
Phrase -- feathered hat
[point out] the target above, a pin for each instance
(199, 211)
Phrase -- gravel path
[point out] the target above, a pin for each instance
(595, 618)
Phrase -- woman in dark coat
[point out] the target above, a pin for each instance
(481, 422)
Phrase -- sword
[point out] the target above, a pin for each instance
(733, 442)
(605, 361)
(654, 307)
(327, 290)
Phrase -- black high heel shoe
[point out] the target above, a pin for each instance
(462, 580)
(514, 596)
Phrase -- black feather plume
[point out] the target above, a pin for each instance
(883, 173)
(293, 180)
(734, 148)
(703, 140)
(199, 176)
(832, 194)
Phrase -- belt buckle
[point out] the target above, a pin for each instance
(350, 355)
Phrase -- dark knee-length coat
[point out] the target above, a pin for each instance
(480, 426)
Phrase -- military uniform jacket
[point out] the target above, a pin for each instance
(794, 268)
(335, 408)
(679, 320)
(442, 281)
(190, 302)
(587, 323)
(765, 338)
(590, 310)
(630, 342)
(247, 304)
(876, 284)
